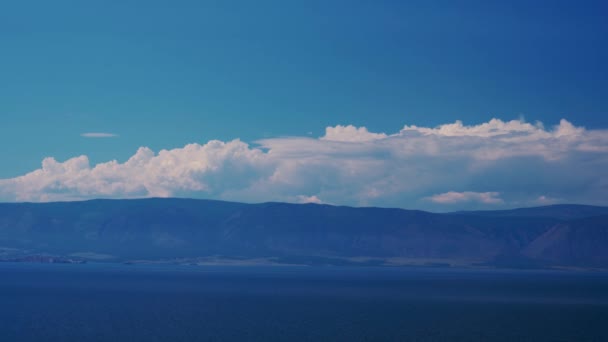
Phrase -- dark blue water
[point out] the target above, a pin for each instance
(146, 303)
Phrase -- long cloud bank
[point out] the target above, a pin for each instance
(452, 166)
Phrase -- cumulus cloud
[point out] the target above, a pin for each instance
(453, 197)
(494, 164)
(308, 199)
(351, 133)
(211, 169)
(98, 135)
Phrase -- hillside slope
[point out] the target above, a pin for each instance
(154, 229)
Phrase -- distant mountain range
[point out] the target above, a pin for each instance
(186, 231)
(560, 211)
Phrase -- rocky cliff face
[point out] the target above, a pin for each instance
(580, 242)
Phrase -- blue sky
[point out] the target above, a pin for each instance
(163, 74)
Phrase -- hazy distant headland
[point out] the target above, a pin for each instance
(204, 232)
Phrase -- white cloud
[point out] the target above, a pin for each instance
(351, 133)
(453, 197)
(494, 127)
(205, 169)
(353, 166)
(98, 135)
(308, 199)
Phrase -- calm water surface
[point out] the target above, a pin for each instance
(174, 303)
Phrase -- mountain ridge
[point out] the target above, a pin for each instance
(195, 230)
(564, 211)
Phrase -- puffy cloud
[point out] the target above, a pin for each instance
(494, 127)
(207, 169)
(351, 133)
(497, 127)
(308, 199)
(452, 197)
(437, 168)
(98, 135)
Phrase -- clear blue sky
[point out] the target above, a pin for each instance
(166, 73)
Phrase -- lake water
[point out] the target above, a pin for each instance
(178, 303)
